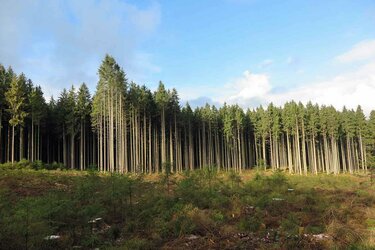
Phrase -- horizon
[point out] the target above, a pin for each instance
(239, 52)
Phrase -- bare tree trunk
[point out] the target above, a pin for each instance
(32, 140)
(271, 151)
(191, 148)
(21, 142)
(72, 151)
(304, 149)
(12, 145)
(81, 148)
(149, 147)
(264, 152)
(1, 133)
(171, 158)
(64, 149)
(239, 149)
(314, 155)
(290, 166)
(362, 153)
(163, 146)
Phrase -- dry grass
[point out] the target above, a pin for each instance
(347, 210)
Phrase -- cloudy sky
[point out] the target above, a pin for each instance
(249, 52)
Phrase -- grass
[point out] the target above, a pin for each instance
(193, 210)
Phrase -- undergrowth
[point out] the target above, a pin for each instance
(197, 209)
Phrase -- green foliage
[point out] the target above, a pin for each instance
(37, 104)
(139, 214)
(15, 97)
(202, 188)
(36, 165)
(55, 166)
(23, 164)
(234, 178)
(290, 224)
(136, 244)
(250, 224)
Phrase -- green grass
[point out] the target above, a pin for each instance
(199, 209)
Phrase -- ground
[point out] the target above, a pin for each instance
(204, 209)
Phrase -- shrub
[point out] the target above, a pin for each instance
(217, 216)
(290, 225)
(54, 166)
(250, 224)
(37, 165)
(234, 178)
(22, 164)
(7, 165)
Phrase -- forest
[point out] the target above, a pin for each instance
(128, 168)
(125, 127)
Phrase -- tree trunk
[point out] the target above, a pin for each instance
(13, 144)
(304, 149)
(290, 166)
(32, 141)
(81, 148)
(264, 152)
(72, 151)
(362, 152)
(64, 149)
(21, 143)
(1, 134)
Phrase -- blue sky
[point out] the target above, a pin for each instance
(249, 52)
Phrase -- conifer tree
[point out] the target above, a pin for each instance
(15, 97)
(162, 100)
(83, 112)
(38, 111)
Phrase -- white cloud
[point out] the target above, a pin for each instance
(351, 88)
(60, 43)
(361, 51)
(348, 89)
(245, 89)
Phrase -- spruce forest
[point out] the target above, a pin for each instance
(187, 125)
(128, 168)
(125, 127)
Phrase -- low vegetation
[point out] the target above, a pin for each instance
(199, 209)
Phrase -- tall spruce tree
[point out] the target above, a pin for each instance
(109, 118)
(38, 111)
(83, 112)
(162, 99)
(15, 97)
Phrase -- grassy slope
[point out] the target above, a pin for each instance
(203, 209)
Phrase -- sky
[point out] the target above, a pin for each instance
(249, 52)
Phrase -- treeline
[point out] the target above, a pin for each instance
(125, 127)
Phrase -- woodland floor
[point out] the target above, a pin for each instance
(198, 210)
